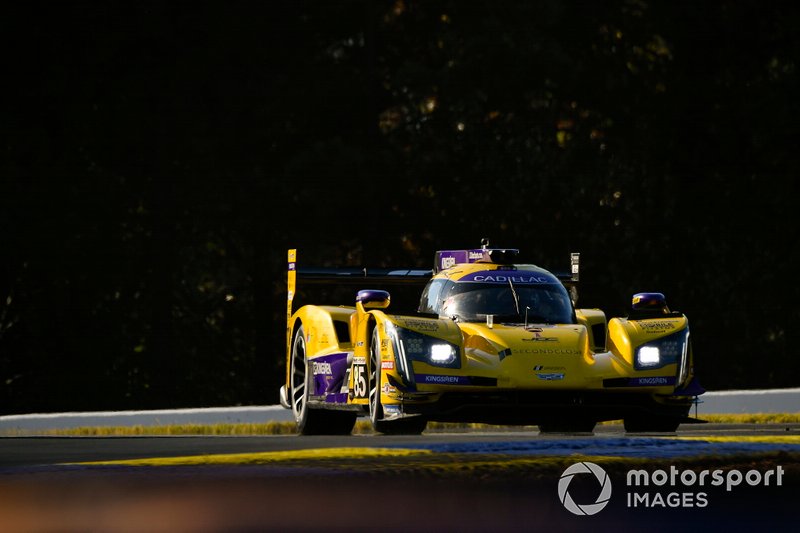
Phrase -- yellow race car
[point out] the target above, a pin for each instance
(492, 341)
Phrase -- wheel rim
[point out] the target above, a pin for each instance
(299, 376)
(374, 379)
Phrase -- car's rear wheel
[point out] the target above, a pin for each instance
(312, 421)
(401, 426)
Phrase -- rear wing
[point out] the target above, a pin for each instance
(362, 278)
(358, 276)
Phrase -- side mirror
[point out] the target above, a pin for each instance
(649, 301)
(373, 299)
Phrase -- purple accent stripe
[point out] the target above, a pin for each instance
(336, 398)
(692, 389)
(328, 372)
(447, 258)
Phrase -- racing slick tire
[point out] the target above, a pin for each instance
(311, 421)
(401, 426)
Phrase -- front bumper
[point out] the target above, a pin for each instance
(538, 407)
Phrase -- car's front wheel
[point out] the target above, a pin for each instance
(401, 426)
(312, 421)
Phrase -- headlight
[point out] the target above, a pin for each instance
(415, 346)
(648, 356)
(661, 352)
(442, 353)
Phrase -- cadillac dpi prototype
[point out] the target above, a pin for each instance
(492, 341)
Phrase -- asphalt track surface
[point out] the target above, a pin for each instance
(472, 481)
(712, 402)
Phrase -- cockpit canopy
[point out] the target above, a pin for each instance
(511, 296)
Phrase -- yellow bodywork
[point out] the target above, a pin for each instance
(592, 354)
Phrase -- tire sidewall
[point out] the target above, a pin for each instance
(300, 415)
(375, 406)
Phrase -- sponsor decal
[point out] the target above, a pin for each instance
(520, 279)
(391, 409)
(539, 338)
(327, 372)
(322, 368)
(388, 389)
(442, 380)
(411, 397)
(387, 365)
(655, 326)
(359, 360)
(548, 351)
(653, 381)
(548, 368)
(449, 258)
(421, 325)
(551, 376)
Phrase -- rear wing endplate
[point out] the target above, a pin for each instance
(571, 279)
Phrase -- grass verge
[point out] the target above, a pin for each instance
(362, 427)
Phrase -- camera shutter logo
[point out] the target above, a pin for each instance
(590, 508)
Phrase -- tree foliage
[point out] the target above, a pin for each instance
(159, 159)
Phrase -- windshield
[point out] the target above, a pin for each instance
(543, 303)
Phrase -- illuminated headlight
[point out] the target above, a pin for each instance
(416, 346)
(442, 353)
(649, 356)
(663, 351)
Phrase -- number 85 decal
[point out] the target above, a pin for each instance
(360, 388)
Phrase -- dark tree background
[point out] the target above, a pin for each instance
(158, 158)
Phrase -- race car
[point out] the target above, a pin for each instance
(491, 341)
